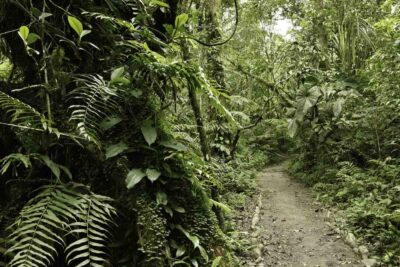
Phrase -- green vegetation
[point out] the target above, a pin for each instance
(131, 132)
(345, 117)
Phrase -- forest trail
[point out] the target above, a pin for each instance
(293, 228)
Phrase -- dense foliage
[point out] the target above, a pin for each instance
(345, 114)
(131, 131)
(100, 162)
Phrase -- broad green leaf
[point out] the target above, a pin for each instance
(162, 198)
(36, 12)
(136, 93)
(181, 20)
(134, 177)
(178, 209)
(174, 145)
(115, 150)
(109, 122)
(169, 28)
(152, 174)
(149, 132)
(32, 38)
(117, 73)
(23, 32)
(195, 240)
(159, 3)
(120, 80)
(216, 261)
(76, 25)
(337, 107)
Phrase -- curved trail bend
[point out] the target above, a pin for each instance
(293, 228)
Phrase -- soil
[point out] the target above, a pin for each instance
(293, 228)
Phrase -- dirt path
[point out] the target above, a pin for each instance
(293, 229)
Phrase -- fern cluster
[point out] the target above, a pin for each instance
(62, 218)
(105, 79)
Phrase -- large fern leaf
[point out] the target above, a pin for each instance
(38, 232)
(92, 230)
(94, 100)
(21, 113)
(62, 217)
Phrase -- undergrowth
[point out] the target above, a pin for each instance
(369, 198)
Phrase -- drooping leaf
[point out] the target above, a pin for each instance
(15, 159)
(203, 253)
(180, 251)
(109, 122)
(134, 177)
(194, 239)
(149, 132)
(66, 171)
(152, 174)
(55, 169)
(117, 73)
(174, 145)
(116, 149)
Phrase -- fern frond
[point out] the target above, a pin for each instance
(92, 228)
(96, 100)
(21, 113)
(61, 211)
(39, 230)
(212, 95)
(14, 159)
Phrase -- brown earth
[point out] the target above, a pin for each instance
(293, 229)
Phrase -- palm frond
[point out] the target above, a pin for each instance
(94, 100)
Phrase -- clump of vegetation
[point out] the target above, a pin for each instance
(344, 118)
(131, 132)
